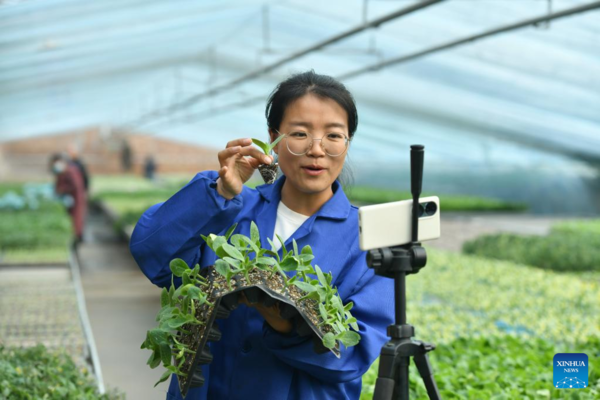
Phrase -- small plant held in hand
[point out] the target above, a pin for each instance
(268, 172)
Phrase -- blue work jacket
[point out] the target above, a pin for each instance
(253, 361)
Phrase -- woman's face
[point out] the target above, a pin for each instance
(315, 171)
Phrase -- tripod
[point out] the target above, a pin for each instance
(396, 262)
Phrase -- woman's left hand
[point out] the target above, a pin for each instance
(271, 314)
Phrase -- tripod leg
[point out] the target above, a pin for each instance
(384, 387)
(426, 372)
(392, 380)
(402, 384)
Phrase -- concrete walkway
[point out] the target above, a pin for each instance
(122, 305)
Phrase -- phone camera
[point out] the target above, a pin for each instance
(430, 208)
(427, 209)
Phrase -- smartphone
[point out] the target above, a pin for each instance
(390, 224)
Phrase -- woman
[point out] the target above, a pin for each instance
(259, 355)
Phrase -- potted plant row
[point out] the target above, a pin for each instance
(186, 320)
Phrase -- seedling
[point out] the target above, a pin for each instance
(268, 172)
(267, 147)
(243, 263)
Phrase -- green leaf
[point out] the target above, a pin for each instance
(305, 258)
(196, 294)
(254, 233)
(178, 267)
(329, 340)
(178, 322)
(185, 279)
(163, 378)
(283, 249)
(208, 239)
(321, 277)
(196, 270)
(233, 252)
(348, 306)
(311, 295)
(322, 292)
(171, 294)
(166, 312)
(307, 250)
(295, 246)
(349, 338)
(238, 241)
(174, 370)
(252, 245)
(218, 246)
(337, 303)
(165, 354)
(289, 264)
(323, 312)
(158, 336)
(164, 297)
(230, 231)
(308, 269)
(306, 287)
(222, 268)
(154, 360)
(265, 261)
(329, 278)
(236, 264)
(274, 143)
(265, 147)
(182, 290)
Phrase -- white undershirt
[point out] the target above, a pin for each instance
(287, 223)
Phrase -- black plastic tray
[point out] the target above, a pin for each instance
(224, 301)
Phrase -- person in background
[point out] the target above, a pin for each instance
(70, 188)
(73, 152)
(126, 156)
(260, 355)
(149, 167)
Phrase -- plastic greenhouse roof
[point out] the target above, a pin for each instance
(523, 97)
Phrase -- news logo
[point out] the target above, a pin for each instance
(570, 371)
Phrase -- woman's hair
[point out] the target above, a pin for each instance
(298, 85)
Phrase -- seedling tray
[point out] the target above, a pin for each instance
(264, 287)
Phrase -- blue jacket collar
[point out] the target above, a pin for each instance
(337, 207)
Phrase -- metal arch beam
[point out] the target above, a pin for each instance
(469, 39)
(255, 74)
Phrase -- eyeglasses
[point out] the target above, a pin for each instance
(299, 143)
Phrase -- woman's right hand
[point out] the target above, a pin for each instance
(238, 162)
